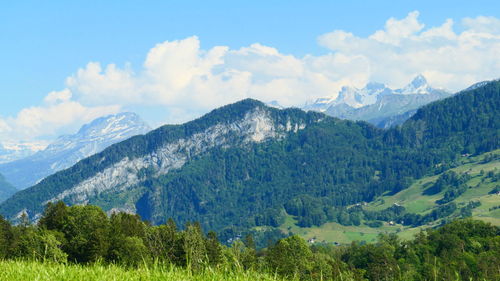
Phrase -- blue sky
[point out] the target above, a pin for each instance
(44, 43)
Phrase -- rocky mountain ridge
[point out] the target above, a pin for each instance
(69, 149)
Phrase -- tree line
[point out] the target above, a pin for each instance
(463, 249)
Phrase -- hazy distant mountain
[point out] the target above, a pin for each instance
(13, 151)
(69, 149)
(376, 102)
(6, 189)
(247, 165)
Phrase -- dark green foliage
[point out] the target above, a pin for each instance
(213, 248)
(452, 183)
(84, 230)
(87, 232)
(466, 211)
(452, 252)
(249, 259)
(55, 216)
(460, 250)
(165, 243)
(127, 235)
(375, 224)
(6, 237)
(194, 247)
(329, 164)
(495, 190)
(378, 261)
(314, 173)
(41, 244)
(452, 193)
(130, 252)
(290, 257)
(467, 122)
(417, 220)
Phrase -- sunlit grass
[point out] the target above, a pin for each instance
(26, 270)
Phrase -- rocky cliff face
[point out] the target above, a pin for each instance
(162, 155)
(256, 126)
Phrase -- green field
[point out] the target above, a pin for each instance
(24, 270)
(414, 202)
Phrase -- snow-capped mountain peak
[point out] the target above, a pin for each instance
(107, 129)
(376, 101)
(418, 85)
(69, 149)
(351, 96)
(112, 124)
(419, 81)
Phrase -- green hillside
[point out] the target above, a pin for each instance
(317, 173)
(482, 186)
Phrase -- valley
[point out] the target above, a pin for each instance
(484, 171)
(250, 140)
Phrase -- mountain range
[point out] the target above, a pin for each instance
(378, 104)
(14, 151)
(69, 149)
(248, 165)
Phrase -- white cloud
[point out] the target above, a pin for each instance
(58, 115)
(58, 96)
(404, 48)
(398, 30)
(483, 24)
(111, 85)
(188, 80)
(185, 78)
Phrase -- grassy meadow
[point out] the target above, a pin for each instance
(29, 270)
(414, 201)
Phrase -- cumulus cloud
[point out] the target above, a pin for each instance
(404, 48)
(483, 24)
(187, 80)
(58, 115)
(58, 96)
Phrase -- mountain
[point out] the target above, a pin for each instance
(14, 151)
(6, 189)
(472, 190)
(69, 149)
(351, 97)
(248, 166)
(395, 120)
(275, 104)
(120, 168)
(375, 103)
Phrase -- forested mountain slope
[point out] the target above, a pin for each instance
(247, 165)
(6, 189)
(471, 189)
(122, 166)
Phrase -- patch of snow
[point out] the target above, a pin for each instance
(256, 126)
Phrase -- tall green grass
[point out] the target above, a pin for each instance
(28, 270)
